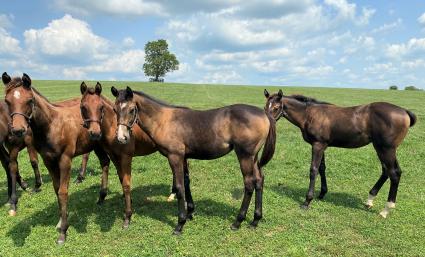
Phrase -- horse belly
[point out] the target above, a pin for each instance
(353, 141)
(209, 152)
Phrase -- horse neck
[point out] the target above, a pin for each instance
(109, 122)
(296, 112)
(43, 112)
(150, 113)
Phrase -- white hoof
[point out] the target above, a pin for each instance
(388, 206)
(369, 202)
(12, 213)
(171, 197)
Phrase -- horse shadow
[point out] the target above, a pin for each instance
(82, 207)
(336, 198)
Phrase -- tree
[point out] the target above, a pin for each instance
(411, 88)
(393, 87)
(158, 60)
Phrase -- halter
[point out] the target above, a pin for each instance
(86, 122)
(135, 120)
(27, 118)
(280, 113)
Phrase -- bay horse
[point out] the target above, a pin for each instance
(326, 125)
(100, 121)
(57, 135)
(181, 133)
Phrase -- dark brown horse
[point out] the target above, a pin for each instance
(322, 125)
(181, 133)
(101, 123)
(58, 136)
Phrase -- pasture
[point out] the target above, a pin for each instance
(339, 225)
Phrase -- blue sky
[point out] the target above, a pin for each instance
(336, 43)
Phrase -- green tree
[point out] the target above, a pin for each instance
(158, 60)
(393, 87)
(411, 88)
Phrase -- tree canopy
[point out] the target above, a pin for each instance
(158, 60)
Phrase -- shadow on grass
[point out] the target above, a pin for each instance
(82, 206)
(335, 198)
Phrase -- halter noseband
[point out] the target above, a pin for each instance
(86, 122)
(27, 118)
(135, 120)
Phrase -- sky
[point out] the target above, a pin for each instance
(332, 43)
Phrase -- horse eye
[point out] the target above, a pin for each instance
(7, 101)
(115, 110)
(30, 101)
(132, 110)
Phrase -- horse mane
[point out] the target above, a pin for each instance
(92, 91)
(159, 101)
(307, 100)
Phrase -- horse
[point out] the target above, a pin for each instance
(15, 144)
(100, 121)
(326, 125)
(57, 135)
(181, 133)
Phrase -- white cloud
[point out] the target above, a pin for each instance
(381, 68)
(6, 21)
(319, 71)
(388, 26)
(9, 44)
(222, 77)
(128, 42)
(366, 15)
(111, 7)
(421, 19)
(413, 46)
(345, 9)
(418, 63)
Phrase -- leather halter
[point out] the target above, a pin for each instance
(86, 122)
(131, 124)
(27, 118)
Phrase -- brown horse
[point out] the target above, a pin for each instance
(322, 125)
(14, 146)
(58, 136)
(181, 133)
(101, 123)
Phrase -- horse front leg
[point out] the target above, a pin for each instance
(104, 164)
(317, 153)
(177, 166)
(323, 184)
(14, 178)
(188, 193)
(65, 174)
(125, 171)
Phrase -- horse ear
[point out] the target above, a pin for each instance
(26, 80)
(114, 91)
(83, 87)
(129, 93)
(98, 88)
(280, 93)
(266, 93)
(6, 78)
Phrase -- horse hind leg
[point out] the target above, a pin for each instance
(32, 153)
(82, 174)
(246, 164)
(188, 193)
(258, 185)
(324, 184)
(388, 159)
(375, 189)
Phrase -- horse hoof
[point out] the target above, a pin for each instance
(61, 240)
(78, 180)
(253, 225)
(12, 213)
(304, 206)
(177, 233)
(24, 185)
(235, 227)
(171, 197)
(320, 197)
(100, 202)
(36, 190)
(368, 206)
(126, 224)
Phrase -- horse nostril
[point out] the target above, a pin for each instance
(18, 132)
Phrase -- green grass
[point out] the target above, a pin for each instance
(336, 226)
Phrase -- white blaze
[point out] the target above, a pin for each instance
(17, 95)
(122, 133)
(123, 105)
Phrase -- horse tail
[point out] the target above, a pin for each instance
(270, 144)
(412, 117)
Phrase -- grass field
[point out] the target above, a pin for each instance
(337, 226)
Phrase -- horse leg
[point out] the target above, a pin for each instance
(246, 165)
(259, 184)
(317, 154)
(65, 174)
(375, 189)
(188, 193)
(389, 159)
(82, 174)
(15, 177)
(104, 163)
(125, 171)
(177, 166)
(32, 153)
(173, 190)
(324, 184)
(4, 158)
